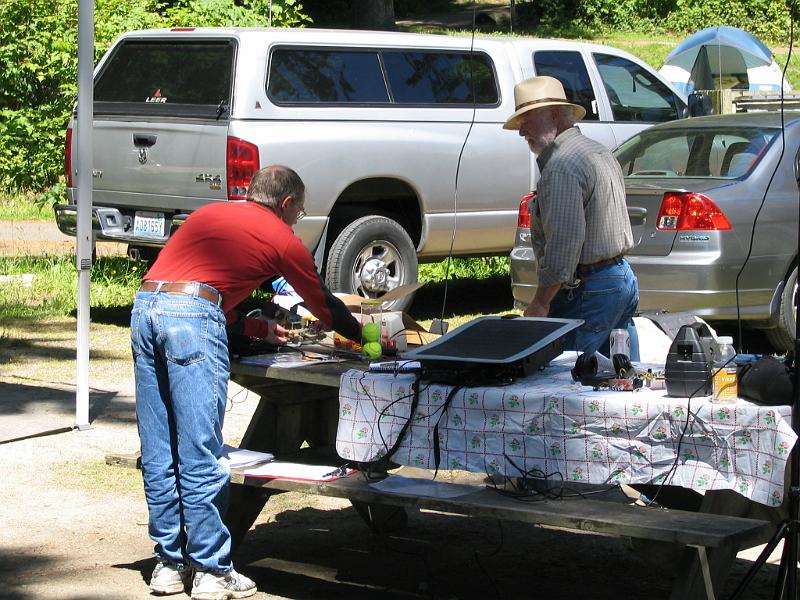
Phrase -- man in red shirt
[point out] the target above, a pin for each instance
(215, 260)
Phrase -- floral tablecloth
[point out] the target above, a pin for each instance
(550, 426)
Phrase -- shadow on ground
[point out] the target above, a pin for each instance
(310, 553)
(111, 315)
(34, 410)
(463, 297)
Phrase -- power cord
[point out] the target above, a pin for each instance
(458, 163)
(769, 183)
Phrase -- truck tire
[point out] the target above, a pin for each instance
(370, 257)
(782, 336)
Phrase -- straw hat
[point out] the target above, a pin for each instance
(539, 92)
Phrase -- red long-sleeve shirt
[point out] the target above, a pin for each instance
(234, 247)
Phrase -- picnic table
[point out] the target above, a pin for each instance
(301, 406)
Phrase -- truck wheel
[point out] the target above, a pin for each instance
(782, 336)
(371, 256)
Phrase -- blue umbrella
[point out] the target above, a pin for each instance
(728, 49)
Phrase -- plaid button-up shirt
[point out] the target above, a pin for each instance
(579, 215)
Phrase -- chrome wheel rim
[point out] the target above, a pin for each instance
(378, 268)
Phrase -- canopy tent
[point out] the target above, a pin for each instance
(723, 57)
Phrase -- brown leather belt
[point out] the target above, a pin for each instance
(591, 267)
(182, 287)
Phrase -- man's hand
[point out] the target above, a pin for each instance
(276, 334)
(536, 309)
(264, 329)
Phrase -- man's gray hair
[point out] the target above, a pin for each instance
(272, 184)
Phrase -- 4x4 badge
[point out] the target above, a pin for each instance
(142, 155)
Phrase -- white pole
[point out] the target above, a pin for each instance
(84, 202)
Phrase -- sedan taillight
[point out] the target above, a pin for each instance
(68, 157)
(242, 161)
(681, 211)
(524, 215)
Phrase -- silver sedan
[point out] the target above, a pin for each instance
(713, 203)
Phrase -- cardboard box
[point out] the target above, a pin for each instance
(415, 334)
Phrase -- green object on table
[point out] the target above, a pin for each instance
(371, 332)
(373, 350)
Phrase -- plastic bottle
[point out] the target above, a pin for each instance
(724, 389)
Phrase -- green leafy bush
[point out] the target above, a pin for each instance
(464, 268)
(766, 19)
(38, 67)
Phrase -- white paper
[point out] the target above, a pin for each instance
(288, 360)
(288, 470)
(237, 458)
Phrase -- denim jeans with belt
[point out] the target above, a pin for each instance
(606, 299)
(181, 366)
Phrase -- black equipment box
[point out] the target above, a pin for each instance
(690, 362)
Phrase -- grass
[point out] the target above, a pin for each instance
(98, 477)
(46, 286)
(22, 206)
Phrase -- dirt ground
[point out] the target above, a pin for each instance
(74, 528)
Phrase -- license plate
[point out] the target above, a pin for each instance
(148, 224)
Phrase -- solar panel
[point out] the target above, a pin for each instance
(514, 346)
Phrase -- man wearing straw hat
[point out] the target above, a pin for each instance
(579, 221)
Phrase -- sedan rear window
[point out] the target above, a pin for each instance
(727, 152)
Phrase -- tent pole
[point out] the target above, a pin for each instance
(84, 202)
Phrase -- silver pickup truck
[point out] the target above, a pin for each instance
(397, 136)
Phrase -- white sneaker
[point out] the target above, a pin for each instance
(169, 579)
(212, 586)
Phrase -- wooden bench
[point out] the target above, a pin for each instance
(712, 539)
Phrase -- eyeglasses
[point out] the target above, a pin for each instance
(301, 214)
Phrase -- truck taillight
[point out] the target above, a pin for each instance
(68, 157)
(681, 211)
(241, 163)
(524, 215)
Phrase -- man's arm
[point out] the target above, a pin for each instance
(540, 305)
(299, 270)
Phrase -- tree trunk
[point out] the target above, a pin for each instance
(373, 14)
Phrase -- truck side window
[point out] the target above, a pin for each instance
(440, 77)
(634, 93)
(325, 76)
(166, 78)
(570, 70)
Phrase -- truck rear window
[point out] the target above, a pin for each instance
(333, 76)
(177, 78)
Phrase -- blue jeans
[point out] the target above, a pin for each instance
(606, 299)
(181, 365)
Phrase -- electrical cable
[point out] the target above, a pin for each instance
(674, 467)
(769, 183)
(458, 163)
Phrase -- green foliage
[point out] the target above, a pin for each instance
(464, 268)
(23, 207)
(52, 289)
(244, 13)
(38, 67)
(766, 19)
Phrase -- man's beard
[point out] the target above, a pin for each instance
(544, 139)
